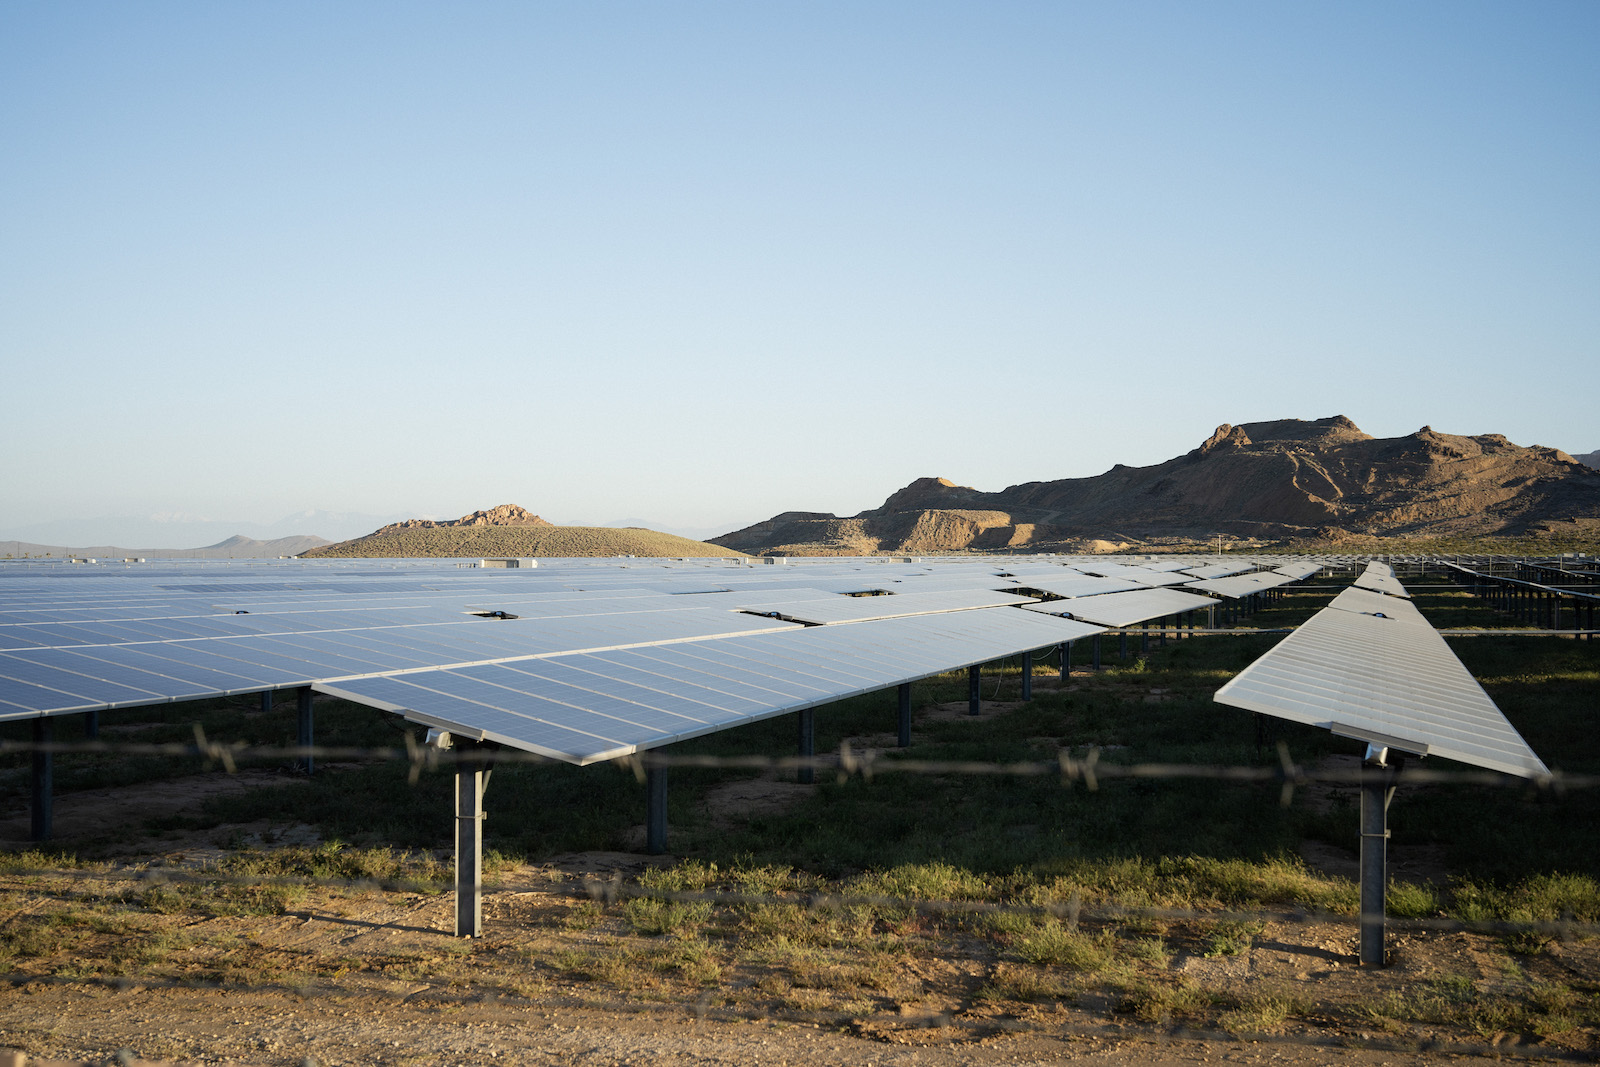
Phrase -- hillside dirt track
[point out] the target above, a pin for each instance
(363, 975)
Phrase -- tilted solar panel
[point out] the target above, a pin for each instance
(1370, 667)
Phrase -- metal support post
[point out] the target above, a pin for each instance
(1066, 660)
(1144, 636)
(306, 735)
(44, 775)
(905, 714)
(1377, 789)
(472, 776)
(91, 725)
(1122, 645)
(974, 690)
(1097, 652)
(807, 747)
(1027, 676)
(266, 702)
(655, 810)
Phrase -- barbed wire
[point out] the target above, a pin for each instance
(1089, 769)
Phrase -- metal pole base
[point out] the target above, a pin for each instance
(305, 730)
(807, 746)
(471, 778)
(655, 810)
(44, 778)
(1377, 789)
(905, 715)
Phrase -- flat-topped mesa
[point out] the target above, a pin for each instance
(503, 515)
(1336, 429)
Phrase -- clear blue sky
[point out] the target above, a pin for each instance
(699, 263)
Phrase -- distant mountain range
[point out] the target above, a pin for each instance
(1283, 480)
(96, 535)
(183, 532)
(236, 547)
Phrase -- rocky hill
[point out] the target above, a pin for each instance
(1272, 481)
(1589, 459)
(503, 515)
(509, 530)
(236, 547)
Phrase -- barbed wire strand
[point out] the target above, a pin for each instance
(851, 762)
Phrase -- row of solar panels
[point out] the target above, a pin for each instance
(103, 668)
(372, 646)
(597, 706)
(154, 597)
(1370, 667)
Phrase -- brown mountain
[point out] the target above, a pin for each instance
(508, 530)
(1286, 479)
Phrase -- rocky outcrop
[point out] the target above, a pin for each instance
(1288, 478)
(504, 515)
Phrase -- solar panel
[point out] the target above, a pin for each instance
(832, 609)
(1217, 570)
(1238, 586)
(1125, 609)
(1081, 585)
(1380, 576)
(1370, 667)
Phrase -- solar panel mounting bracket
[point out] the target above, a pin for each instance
(1378, 740)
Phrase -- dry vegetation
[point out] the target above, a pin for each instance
(153, 954)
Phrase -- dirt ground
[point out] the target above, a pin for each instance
(365, 975)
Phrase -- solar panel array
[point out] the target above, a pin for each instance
(595, 706)
(579, 659)
(1370, 667)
